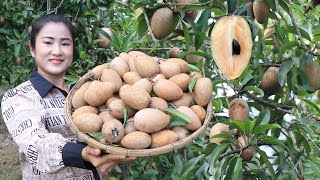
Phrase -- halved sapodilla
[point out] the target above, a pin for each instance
(231, 45)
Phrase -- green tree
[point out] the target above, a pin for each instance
(283, 128)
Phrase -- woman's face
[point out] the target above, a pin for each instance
(53, 50)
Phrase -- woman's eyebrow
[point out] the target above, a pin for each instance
(49, 37)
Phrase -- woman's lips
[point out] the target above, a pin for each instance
(56, 60)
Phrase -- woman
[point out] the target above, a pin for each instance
(33, 111)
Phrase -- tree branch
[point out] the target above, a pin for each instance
(312, 52)
(149, 27)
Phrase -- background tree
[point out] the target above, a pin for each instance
(282, 127)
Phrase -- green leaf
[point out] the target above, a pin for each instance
(265, 160)
(288, 45)
(191, 164)
(254, 89)
(125, 114)
(17, 50)
(226, 136)
(176, 122)
(186, 33)
(312, 104)
(304, 33)
(192, 83)
(96, 135)
(284, 69)
(178, 162)
(216, 153)
(72, 78)
(263, 117)
(192, 67)
(264, 127)
(233, 171)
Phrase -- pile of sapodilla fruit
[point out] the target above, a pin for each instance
(147, 93)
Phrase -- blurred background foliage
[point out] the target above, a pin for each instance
(282, 128)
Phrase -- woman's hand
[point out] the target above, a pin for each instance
(104, 163)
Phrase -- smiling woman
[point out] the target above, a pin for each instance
(33, 111)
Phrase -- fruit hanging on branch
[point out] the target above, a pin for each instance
(312, 71)
(231, 45)
(218, 128)
(192, 13)
(270, 83)
(238, 109)
(261, 10)
(162, 23)
(105, 42)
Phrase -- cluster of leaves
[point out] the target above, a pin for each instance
(283, 128)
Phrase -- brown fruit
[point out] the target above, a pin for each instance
(105, 42)
(119, 65)
(192, 57)
(112, 131)
(181, 131)
(143, 84)
(182, 80)
(157, 77)
(247, 154)
(193, 13)
(169, 69)
(19, 60)
(146, 66)
(106, 116)
(124, 56)
(131, 77)
(136, 140)
(135, 98)
(97, 71)
(131, 56)
(167, 90)
(270, 83)
(312, 71)
(238, 109)
(130, 126)
(84, 109)
(231, 45)
(261, 10)
(158, 103)
(110, 75)
(162, 23)
(2, 20)
(88, 122)
(98, 92)
(116, 109)
(112, 98)
(195, 121)
(163, 138)
(78, 97)
(200, 111)
(202, 91)
(182, 63)
(174, 52)
(218, 128)
(151, 120)
(243, 141)
(185, 100)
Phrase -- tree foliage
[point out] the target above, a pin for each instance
(282, 128)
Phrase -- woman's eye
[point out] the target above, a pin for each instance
(47, 42)
(66, 44)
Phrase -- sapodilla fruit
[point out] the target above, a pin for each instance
(105, 42)
(202, 91)
(261, 10)
(119, 65)
(98, 92)
(163, 137)
(218, 128)
(146, 66)
(247, 154)
(2, 20)
(182, 63)
(231, 45)
(174, 52)
(78, 97)
(88, 122)
(151, 120)
(193, 13)
(312, 71)
(167, 90)
(192, 57)
(112, 131)
(136, 140)
(270, 83)
(238, 109)
(162, 23)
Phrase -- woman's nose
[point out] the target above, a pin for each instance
(56, 49)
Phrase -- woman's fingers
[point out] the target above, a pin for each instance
(107, 167)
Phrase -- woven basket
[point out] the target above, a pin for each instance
(68, 110)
